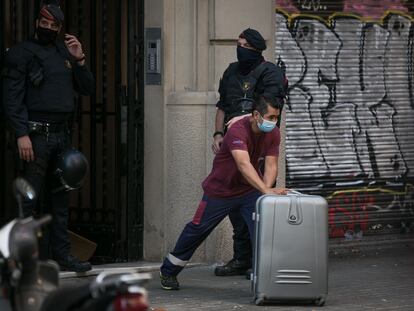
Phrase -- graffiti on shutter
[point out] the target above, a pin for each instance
(350, 113)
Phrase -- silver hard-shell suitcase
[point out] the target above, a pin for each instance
(291, 249)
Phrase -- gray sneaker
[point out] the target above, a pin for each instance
(169, 282)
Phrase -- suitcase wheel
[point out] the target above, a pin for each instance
(320, 302)
(259, 301)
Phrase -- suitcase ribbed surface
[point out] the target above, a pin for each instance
(291, 248)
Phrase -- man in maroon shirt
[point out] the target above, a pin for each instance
(235, 182)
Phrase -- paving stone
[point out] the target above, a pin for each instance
(374, 278)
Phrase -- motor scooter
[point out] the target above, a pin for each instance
(25, 279)
(30, 284)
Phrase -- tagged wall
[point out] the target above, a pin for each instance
(350, 115)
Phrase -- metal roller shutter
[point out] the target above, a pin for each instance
(350, 114)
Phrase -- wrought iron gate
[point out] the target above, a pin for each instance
(109, 124)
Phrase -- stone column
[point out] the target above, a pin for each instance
(199, 41)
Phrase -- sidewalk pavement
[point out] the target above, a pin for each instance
(372, 277)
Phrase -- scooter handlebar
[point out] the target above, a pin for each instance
(44, 220)
(110, 281)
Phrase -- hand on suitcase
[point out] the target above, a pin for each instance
(278, 191)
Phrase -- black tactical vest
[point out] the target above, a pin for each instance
(50, 87)
(240, 89)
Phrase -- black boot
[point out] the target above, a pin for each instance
(71, 263)
(233, 267)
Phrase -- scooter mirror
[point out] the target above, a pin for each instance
(23, 189)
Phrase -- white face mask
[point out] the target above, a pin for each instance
(266, 126)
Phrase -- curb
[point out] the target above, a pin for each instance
(143, 267)
(365, 246)
(371, 241)
(336, 247)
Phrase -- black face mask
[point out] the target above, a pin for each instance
(248, 59)
(46, 36)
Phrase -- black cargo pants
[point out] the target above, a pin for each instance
(40, 174)
(242, 246)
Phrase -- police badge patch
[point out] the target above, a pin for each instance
(68, 64)
(246, 86)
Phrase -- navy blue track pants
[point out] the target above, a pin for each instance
(210, 212)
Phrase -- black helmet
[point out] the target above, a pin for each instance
(71, 169)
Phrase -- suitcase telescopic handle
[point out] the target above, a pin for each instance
(291, 191)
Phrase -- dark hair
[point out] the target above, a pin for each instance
(260, 103)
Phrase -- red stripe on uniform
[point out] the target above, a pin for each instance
(46, 14)
(199, 213)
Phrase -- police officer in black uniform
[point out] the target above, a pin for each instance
(250, 74)
(40, 78)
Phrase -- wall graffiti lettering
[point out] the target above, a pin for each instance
(368, 9)
(352, 212)
(313, 5)
(350, 113)
(373, 8)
